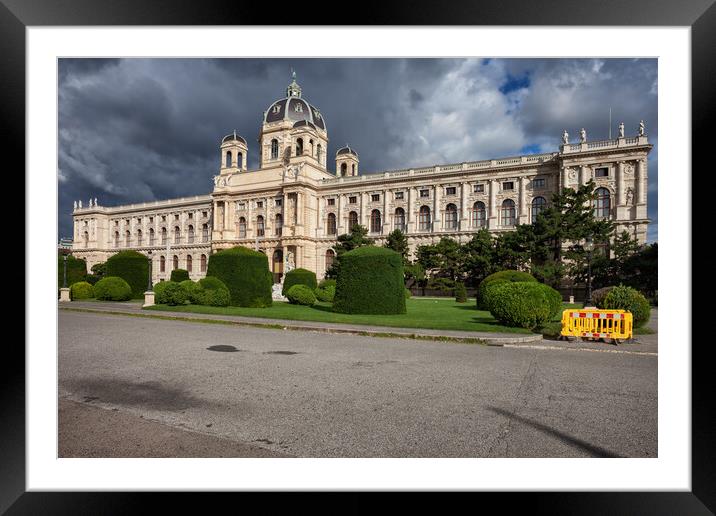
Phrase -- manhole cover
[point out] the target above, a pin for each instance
(223, 347)
(280, 353)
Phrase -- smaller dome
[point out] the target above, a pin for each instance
(302, 123)
(233, 137)
(346, 150)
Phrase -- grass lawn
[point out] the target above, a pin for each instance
(435, 314)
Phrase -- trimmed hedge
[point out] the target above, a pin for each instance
(245, 273)
(301, 295)
(76, 270)
(370, 281)
(92, 278)
(132, 267)
(209, 291)
(81, 290)
(325, 293)
(460, 292)
(174, 294)
(631, 300)
(524, 304)
(299, 277)
(179, 275)
(506, 275)
(112, 288)
(159, 289)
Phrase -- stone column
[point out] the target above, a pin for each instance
(339, 214)
(436, 208)
(410, 217)
(386, 217)
(522, 215)
(249, 215)
(492, 209)
(362, 214)
(640, 182)
(620, 183)
(583, 179)
(300, 206)
(565, 177)
(464, 219)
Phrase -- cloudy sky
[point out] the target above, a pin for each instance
(135, 130)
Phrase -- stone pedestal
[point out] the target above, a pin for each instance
(276, 294)
(148, 298)
(64, 294)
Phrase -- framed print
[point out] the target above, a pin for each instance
(186, 151)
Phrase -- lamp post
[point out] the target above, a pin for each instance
(589, 247)
(64, 271)
(149, 280)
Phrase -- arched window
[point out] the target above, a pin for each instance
(139, 237)
(330, 257)
(399, 220)
(352, 220)
(151, 236)
(242, 227)
(319, 152)
(116, 239)
(375, 224)
(175, 262)
(227, 164)
(424, 219)
(344, 168)
(202, 263)
(602, 203)
(478, 215)
(310, 147)
(86, 237)
(260, 225)
(508, 212)
(279, 224)
(331, 225)
(190, 234)
(205, 232)
(127, 238)
(162, 264)
(538, 205)
(188, 263)
(451, 216)
(299, 147)
(353, 169)
(177, 233)
(274, 149)
(240, 160)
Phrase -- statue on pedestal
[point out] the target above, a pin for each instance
(641, 128)
(565, 137)
(621, 130)
(583, 135)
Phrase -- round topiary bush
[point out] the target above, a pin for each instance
(179, 275)
(599, 295)
(301, 295)
(245, 273)
(132, 267)
(460, 292)
(174, 294)
(81, 290)
(159, 292)
(112, 288)
(631, 300)
(299, 277)
(210, 291)
(325, 293)
(524, 304)
(76, 270)
(189, 287)
(506, 275)
(370, 281)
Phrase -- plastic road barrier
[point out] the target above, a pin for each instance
(597, 324)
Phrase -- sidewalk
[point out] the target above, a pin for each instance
(489, 338)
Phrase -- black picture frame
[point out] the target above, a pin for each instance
(700, 15)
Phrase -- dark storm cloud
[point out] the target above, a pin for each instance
(134, 130)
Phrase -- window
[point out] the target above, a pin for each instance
(278, 203)
(191, 215)
(352, 200)
(538, 205)
(375, 197)
(319, 152)
(331, 202)
(162, 264)
(601, 172)
(508, 185)
(424, 218)
(86, 239)
(202, 263)
(299, 147)
(279, 224)
(116, 223)
(177, 234)
(508, 212)
(344, 169)
(205, 233)
(164, 218)
(330, 257)
(259, 204)
(274, 149)
(227, 164)
(139, 237)
(188, 263)
(479, 188)
(151, 219)
(450, 190)
(175, 263)
(451, 216)
(400, 219)
(331, 225)
(259, 226)
(538, 183)
(352, 220)
(164, 236)
(204, 214)
(398, 196)
(240, 160)
(176, 216)
(478, 215)
(190, 235)
(353, 169)
(127, 239)
(242, 227)
(151, 236)
(375, 223)
(602, 203)
(424, 193)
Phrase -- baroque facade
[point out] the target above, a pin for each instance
(292, 208)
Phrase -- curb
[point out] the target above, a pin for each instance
(489, 341)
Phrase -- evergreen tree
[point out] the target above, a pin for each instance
(479, 256)
(398, 242)
(347, 242)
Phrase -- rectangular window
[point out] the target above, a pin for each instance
(450, 190)
(538, 183)
(278, 203)
(601, 172)
(352, 200)
(241, 206)
(424, 193)
(375, 197)
(203, 214)
(191, 215)
(398, 196)
(479, 188)
(176, 217)
(259, 204)
(508, 185)
(331, 202)
(164, 218)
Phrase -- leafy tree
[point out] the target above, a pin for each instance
(446, 256)
(99, 269)
(511, 251)
(479, 256)
(398, 242)
(347, 242)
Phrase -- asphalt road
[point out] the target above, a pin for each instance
(258, 392)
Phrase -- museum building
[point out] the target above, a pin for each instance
(292, 207)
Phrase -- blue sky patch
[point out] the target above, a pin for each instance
(515, 83)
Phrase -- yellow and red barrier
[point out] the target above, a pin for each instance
(593, 323)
